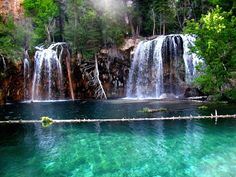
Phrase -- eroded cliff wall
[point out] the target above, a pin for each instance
(13, 7)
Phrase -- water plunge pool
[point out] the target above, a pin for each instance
(157, 148)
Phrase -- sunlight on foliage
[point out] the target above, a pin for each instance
(214, 21)
(215, 44)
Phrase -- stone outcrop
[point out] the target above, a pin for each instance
(11, 87)
(13, 7)
(113, 65)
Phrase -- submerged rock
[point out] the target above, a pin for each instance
(149, 110)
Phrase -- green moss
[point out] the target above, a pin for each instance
(203, 107)
(46, 121)
(149, 110)
(146, 109)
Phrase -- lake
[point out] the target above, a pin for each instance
(155, 148)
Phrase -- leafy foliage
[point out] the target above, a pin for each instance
(231, 95)
(215, 44)
(227, 5)
(88, 25)
(81, 31)
(88, 29)
(10, 39)
(43, 13)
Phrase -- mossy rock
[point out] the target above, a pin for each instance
(149, 110)
(203, 107)
(46, 121)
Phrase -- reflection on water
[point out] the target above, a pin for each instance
(108, 109)
(165, 148)
(160, 139)
(157, 148)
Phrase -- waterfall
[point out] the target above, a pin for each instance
(162, 67)
(191, 60)
(26, 65)
(48, 82)
(146, 75)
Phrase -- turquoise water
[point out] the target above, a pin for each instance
(158, 148)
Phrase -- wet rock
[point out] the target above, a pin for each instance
(2, 97)
(130, 43)
(193, 92)
(113, 64)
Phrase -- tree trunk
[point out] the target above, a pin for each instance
(164, 27)
(69, 75)
(137, 30)
(132, 28)
(102, 92)
(154, 22)
(160, 23)
(48, 34)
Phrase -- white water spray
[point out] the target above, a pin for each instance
(156, 67)
(48, 74)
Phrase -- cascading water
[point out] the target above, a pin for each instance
(162, 67)
(48, 83)
(26, 75)
(146, 75)
(190, 59)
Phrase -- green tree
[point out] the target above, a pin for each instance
(43, 14)
(157, 17)
(215, 44)
(82, 29)
(10, 39)
(226, 5)
(88, 28)
(166, 16)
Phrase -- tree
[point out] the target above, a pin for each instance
(90, 28)
(190, 9)
(226, 5)
(166, 16)
(82, 31)
(111, 14)
(155, 13)
(43, 14)
(215, 44)
(10, 40)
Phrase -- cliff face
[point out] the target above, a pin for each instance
(13, 7)
(113, 66)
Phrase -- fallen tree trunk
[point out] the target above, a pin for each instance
(101, 93)
(216, 117)
(91, 72)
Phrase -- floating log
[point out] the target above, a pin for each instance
(216, 117)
